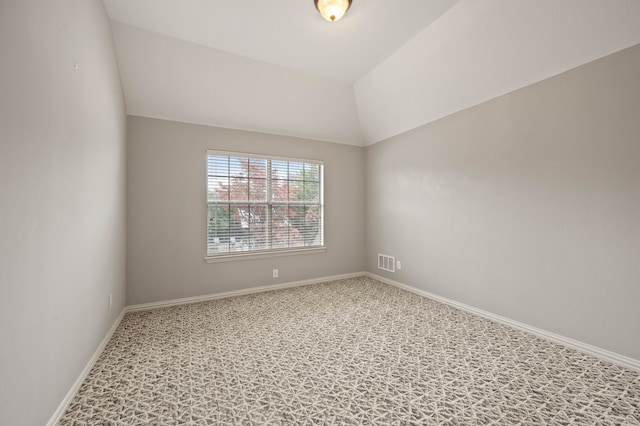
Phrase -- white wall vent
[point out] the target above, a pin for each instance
(386, 263)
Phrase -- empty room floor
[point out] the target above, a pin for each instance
(348, 352)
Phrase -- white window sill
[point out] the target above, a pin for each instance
(228, 257)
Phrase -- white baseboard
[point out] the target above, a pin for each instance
(83, 375)
(53, 421)
(234, 293)
(603, 354)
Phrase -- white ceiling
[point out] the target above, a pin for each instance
(376, 73)
(171, 79)
(482, 49)
(289, 33)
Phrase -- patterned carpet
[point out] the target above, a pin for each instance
(350, 352)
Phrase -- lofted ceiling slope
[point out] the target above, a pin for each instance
(480, 50)
(289, 33)
(376, 73)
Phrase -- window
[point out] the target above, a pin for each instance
(258, 204)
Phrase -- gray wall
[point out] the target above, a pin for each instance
(527, 206)
(166, 211)
(62, 195)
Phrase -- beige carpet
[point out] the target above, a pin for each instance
(351, 352)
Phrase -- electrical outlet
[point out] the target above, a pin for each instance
(398, 265)
(275, 273)
(110, 300)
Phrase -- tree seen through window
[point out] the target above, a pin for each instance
(258, 204)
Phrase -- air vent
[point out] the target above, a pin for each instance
(386, 263)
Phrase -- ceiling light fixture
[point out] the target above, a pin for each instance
(332, 10)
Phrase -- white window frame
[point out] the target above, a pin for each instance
(271, 252)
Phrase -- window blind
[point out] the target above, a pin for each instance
(261, 204)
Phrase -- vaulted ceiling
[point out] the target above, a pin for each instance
(385, 68)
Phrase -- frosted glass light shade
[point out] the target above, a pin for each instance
(332, 10)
